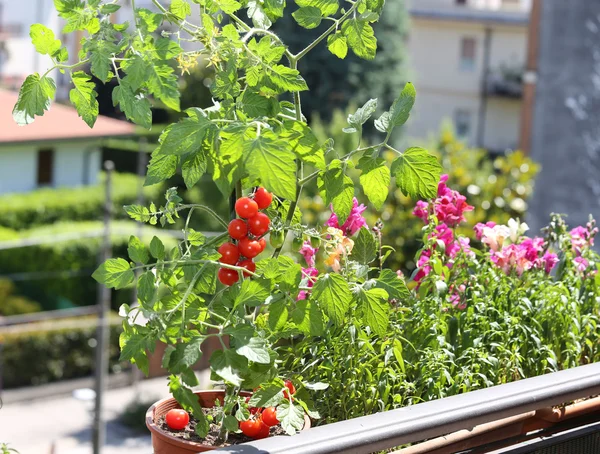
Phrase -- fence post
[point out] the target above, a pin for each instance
(101, 372)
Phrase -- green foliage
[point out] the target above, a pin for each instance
(45, 354)
(12, 304)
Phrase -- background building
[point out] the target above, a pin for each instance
(467, 58)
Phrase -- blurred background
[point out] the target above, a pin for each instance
(508, 95)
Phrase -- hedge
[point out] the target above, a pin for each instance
(46, 206)
(48, 354)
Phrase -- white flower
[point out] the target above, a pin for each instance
(516, 229)
(135, 315)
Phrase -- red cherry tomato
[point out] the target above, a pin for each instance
(246, 207)
(249, 248)
(177, 418)
(251, 428)
(263, 198)
(253, 410)
(259, 224)
(290, 386)
(237, 229)
(269, 416)
(263, 244)
(263, 432)
(249, 265)
(227, 276)
(229, 253)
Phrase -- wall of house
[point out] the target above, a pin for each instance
(18, 169)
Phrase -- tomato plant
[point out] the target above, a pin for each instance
(252, 427)
(269, 416)
(252, 137)
(177, 418)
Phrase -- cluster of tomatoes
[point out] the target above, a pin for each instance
(259, 425)
(249, 233)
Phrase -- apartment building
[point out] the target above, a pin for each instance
(468, 59)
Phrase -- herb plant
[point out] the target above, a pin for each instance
(254, 135)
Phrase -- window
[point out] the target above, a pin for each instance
(45, 167)
(462, 122)
(467, 54)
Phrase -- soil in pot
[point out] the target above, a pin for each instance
(189, 432)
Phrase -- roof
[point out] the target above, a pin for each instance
(466, 14)
(59, 123)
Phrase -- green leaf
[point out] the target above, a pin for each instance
(109, 8)
(157, 248)
(35, 97)
(255, 105)
(189, 402)
(166, 48)
(134, 346)
(361, 38)
(149, 21)
(193, 168)
(270, 160)
(137, 212)
(163, 83)
(253, 292)
(114, 273)
(336, 188)
(400, 110)
(228, 365)
(287, 79)
(269, 395)
(43, 39)
(365, 247)
(278, 315)
(136, 69)
(259, 17)
(83, 97)
(186, 355)
(207, 282)
(291, 417)
(101, 53)
(228, 6)
(189, 378)
(186, 136)
(327, 7)
(308, 17)
(137, 250)
(274, 8)
(308, 318)
(393, 285)
(180, 9)
(337, 45)
(230, 423)
(365, 112)
(304, 143)
(135, 107)
(161, 168)
(196, 238)
(375, 307)
(334, 296)
(375, 179)
(417, 173)
(255, 349)
(145, 287)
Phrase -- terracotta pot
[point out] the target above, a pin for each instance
(164, 443)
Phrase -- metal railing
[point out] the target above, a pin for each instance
(427, 420)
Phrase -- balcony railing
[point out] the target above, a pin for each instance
(505, 83)
(432, 419)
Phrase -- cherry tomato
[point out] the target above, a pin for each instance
(249, 265)
(315, 242)
(227, 276)
(276, 238)
(269, 416)
(253, 410)
(297, 243)
(229, 253)
(251, 428)
(177, 418)
(249, 248)
(263, 244)
(290, 386)
(263, 431)
(246, 207)
(237, 229)
(259, 224)
(263, 198)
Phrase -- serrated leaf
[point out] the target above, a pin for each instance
(278, 315)
(308, 17)
(83, 97)
(180, 9)
(334, 296)
(166, 48)
(286, 79)
(393, 285)
(101, 53)
(417, 173)
(186, 136)
(43, 39)
(253, 292)
(137, 250)
(318, 386)
(274, 8)
(35, 97)
(228, 365)
(336, 188)
(160, 168)
(254, 349)
(145, 287)
(186, 355)
(365, 247)
(157, 248)
(258, 15)
(136, 69)
(382, 124)
(230, 423)
(133, 345)
(375, 307)
(148, 20)
(375, 179)
(196, 238)
(337, 45)
(363, 113)
(255, 105)
(308, 318)
(228, 6)
(291, 417)
(270, 160)
(400, 110)
(135, 107)
(193, 168)
(361, 38)
(114, 273)
(163, 83)
(327, 7)
(304, 143)
(137, 212)
(109, 8)
(269, 395)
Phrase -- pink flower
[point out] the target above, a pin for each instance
(449, 206)
(455, 296)
(309, 274)
(309, 253)
(479, 228)
(354, 222)
(581, 264)
(424, 269)
(421, 210)
(548, 261)
(582, 238)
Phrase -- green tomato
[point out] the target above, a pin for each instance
(297, 243)
(276, 238)
(315, 242)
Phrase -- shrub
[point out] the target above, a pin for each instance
(46, 354)
(11, 304)
(47, 206)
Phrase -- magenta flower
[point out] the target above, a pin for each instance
(582, 238)
(309, 274)
(449, 206)
(479, 227)
(581, 264)
(421, 210)
(309, 253)
(548, 261)
(354, 222)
